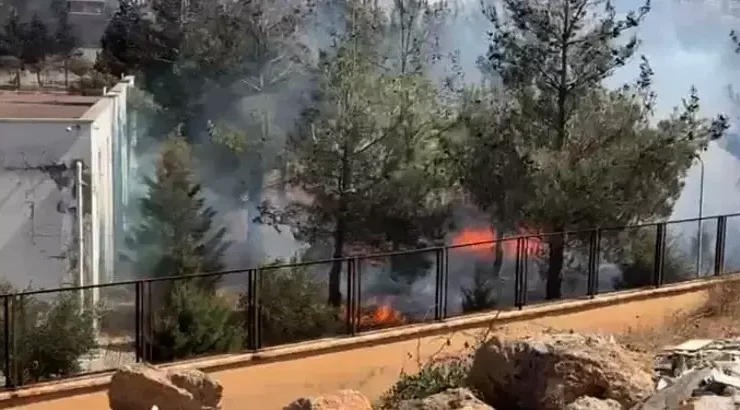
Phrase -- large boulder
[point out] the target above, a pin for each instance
(453, 399)
(555, 369)
(141, 386)
(592, 403)
(341, 400)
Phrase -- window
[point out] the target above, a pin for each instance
(86, 6)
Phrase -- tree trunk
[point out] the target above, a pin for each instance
(335, 275)
(38, 77)
(556, 252)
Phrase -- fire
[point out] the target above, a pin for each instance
(376, 314)
(475, 235)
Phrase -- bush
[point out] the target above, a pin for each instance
(293, 306)
(194, 321)
(92, 83)
(434, 377)
(638, 270)
(50, 337)
(482, 295)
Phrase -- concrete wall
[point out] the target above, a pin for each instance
(38, 209)
(36, 204)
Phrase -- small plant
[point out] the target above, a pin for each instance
(50, 337)
(293, 306)
(482, 295)
(434, 377)
(195, 321)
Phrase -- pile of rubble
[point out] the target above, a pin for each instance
(701, 374)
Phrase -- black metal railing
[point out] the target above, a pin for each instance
(288, 303)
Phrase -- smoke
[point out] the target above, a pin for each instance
(686, 42)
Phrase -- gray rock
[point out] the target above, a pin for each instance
(556, 369)
(592, 403)
(453, 399)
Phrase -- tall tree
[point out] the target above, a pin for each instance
(38, 45)
(176, 235)
(12, 40)
(65, 41)
(585, 156)
(369, 180)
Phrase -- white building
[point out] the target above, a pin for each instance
(42, 135)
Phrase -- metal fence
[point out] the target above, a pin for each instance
(274, 305)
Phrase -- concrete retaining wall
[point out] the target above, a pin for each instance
(371, 363)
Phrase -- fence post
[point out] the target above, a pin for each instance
(593, 262)
(719, 247)
(138, 313)
(253, 322)
(518, 279)
(7, 334)
(660, 237)
(446, 281)
(439, 272)
(351, 306)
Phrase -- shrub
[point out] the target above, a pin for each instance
(194, 321)
(481, 295)
(434, 377)
(50, 337)
(92, 83)
(637, 270)
(293, 306)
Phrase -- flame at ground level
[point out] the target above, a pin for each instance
(376, 313)
(473, 237)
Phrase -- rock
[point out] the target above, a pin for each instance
(555, 369)
(205, 389)
(341, 400)
(142, 386)
(592, 403)
(453, 399)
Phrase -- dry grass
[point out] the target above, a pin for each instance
(718, 318)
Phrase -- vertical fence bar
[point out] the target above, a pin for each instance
(438, 272)
(7, 336)
(358, 292)
(593, 263)
(525, 271)
(17, 364)
(137, 321)
(351, 308)
(446, 274)
(719, 247)
(660, 236)
(150, 323)
(518, 275)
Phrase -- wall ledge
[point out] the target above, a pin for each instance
(99, 382)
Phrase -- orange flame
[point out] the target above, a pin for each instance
(376, 314)
(475, 235)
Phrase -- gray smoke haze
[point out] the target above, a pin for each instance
(686, 42)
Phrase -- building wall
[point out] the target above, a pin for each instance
(38, 205)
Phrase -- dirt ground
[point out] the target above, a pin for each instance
(372, 370)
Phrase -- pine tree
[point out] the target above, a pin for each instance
(176, 235)
(584, 156)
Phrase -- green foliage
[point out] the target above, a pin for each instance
(553, 149)
(482, 294)
(194, 321)
(639, 261)
(434, 377)
(51, 337)
(176, 235)
(293, 306)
